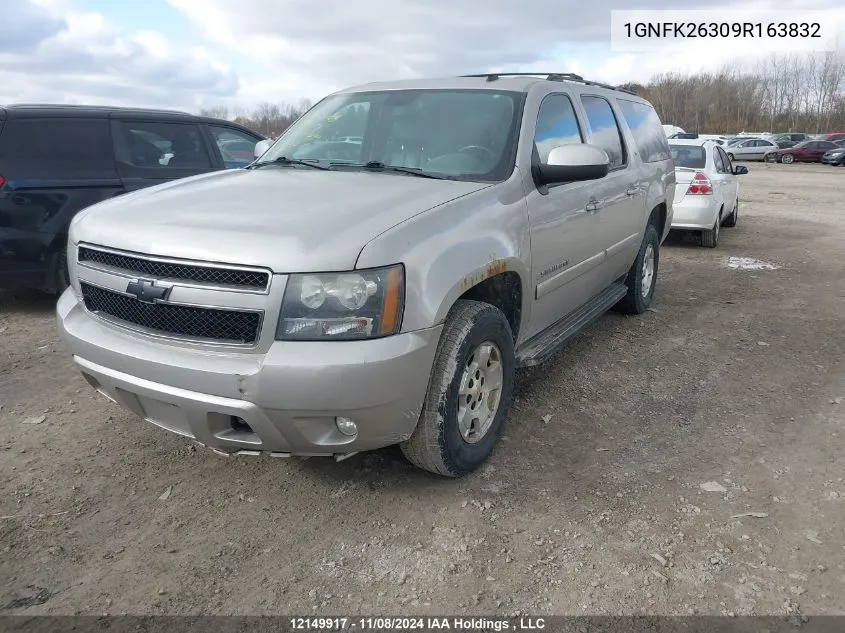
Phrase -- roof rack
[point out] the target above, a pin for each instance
(553, 77)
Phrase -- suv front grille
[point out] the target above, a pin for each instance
(233, 326)
(210, 275)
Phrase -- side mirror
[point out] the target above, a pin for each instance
(262, 146)
(570, 163)
(740, 169)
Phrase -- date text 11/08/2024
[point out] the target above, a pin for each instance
(416, 624)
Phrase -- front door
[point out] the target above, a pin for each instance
(566, 247)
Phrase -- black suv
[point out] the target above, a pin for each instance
(56, 160)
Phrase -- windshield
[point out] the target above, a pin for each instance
(691, 156)
(461, 134)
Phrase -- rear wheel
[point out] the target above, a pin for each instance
(788, 159)
(731, 220)
(469, 392)
(710, 238)
(642, 276)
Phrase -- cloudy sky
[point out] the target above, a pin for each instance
(190, 54)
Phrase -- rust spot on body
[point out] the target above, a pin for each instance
(495, 267)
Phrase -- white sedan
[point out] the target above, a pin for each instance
(706, 190)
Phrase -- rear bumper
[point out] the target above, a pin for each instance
(695, 213)
(289, 396)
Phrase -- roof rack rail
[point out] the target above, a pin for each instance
(553, 77)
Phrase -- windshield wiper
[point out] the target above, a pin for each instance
(377, 165)
(284, 160)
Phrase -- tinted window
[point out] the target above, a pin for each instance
(57, 147)
(604, 131)
(164, 145)
(237, 148)
(556, 125)
(720, 166)
(647, 130)
(826, 145)
(692, 156)
(726, 160)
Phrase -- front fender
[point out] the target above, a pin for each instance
(451, 248)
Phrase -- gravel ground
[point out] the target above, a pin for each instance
(692, 463)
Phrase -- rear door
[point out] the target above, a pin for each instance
(52, 167)
(619, 196)
(727, 180)
(154, 151)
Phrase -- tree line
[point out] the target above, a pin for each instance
(269, 119)
(784, 93)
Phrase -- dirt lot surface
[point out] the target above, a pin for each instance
(735, 383)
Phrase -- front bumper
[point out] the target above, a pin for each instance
(833, 160)
(288, 397)
(695, 213)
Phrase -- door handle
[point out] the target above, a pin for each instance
(632, 191)
(593, 206)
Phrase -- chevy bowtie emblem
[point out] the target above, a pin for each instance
(146, 290)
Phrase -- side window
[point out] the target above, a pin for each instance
(646, 129)
(726, 160)
(604, 130)
(164, 145)
(717, 159)
(235, 146)
(556, 125)
(58, 147)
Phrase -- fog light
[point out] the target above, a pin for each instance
(346, 426)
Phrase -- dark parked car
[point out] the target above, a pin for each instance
(790, 139)
(835, 156)
(807, 152)
(57, 160)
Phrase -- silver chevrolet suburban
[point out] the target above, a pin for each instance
(378, 274)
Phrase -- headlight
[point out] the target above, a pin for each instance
(342, 306)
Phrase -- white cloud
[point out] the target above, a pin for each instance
(59, 54)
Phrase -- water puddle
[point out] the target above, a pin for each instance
(749, 263)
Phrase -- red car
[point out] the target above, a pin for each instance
(807, 152)
(834, 136)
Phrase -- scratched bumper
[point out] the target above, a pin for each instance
(284, 401)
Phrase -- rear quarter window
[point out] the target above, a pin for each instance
(646, 129)
(57, 148)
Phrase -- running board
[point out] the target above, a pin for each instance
(541, 346)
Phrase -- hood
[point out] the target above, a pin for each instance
(287, 219)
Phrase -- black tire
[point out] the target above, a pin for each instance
(787, 159)
(635, 302)
(731, 156)
(437, 444)
(733, 218)
(710, 239)
(61, 278)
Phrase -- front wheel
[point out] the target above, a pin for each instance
(788, 159)
(770, 158)
(469, 392)
(731, 156)
(642, 276)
